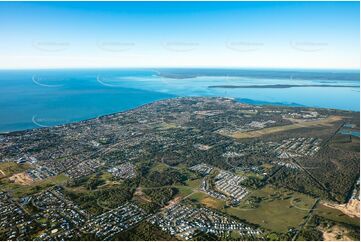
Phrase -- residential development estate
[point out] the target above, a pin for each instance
(185, 169)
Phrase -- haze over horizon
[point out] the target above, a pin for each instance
(310, 35)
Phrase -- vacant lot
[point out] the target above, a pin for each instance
(271, 130)
(190, 187)
(335, 215)
(336, 232)
(207, 200)
(19, 190)
(159, 166)
(21, 178)
(9, 168)
(191, 191)
(277, 210)
(346, 142)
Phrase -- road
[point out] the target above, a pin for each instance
(307, 219)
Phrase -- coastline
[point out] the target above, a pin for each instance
(238, 100)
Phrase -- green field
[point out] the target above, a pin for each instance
(335, 215)
(250, 174)
(346, 142)
(184, 190)
(18, 190)
(195, 184)
(207, 200)
(159, 166)
(9, 168)
(191, 186)
(277, 210)
(191, 189)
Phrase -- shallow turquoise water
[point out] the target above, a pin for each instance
(32, 99)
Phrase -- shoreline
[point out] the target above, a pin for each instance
(238, 100)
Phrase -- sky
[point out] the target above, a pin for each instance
(318, 35)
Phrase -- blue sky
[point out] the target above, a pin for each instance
(180, 34)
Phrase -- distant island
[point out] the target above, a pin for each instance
(176, 76)
(277, 86)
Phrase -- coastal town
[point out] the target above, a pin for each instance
(180, 120)
(189, 168)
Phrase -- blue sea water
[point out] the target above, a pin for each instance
(42, 98)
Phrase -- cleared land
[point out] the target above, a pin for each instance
(335, 215)
(192, 192)
(346, 142)
(352, 208)
(271, 130)
(207, 200)
(9, 168)
(336, 232)
(276, 209)
(21, 178)
(191, 186)
(159, 166)
(20, 190)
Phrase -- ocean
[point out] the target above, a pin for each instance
(44, 98)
